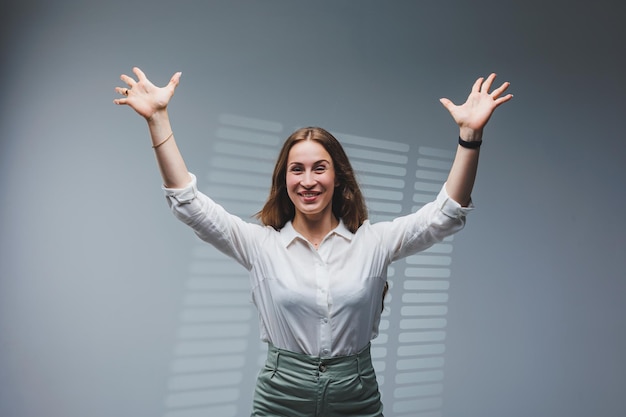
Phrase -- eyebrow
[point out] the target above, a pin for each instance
(314, 163)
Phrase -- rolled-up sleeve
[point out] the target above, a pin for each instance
(450, 207)
(182, 195)
(418, 231)
(212, 223)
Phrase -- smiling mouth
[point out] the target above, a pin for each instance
(309, 195)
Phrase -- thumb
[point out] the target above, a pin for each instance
(175, 80)
(446, 103)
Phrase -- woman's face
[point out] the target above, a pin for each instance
(310, 179)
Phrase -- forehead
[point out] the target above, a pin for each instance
(308, 151)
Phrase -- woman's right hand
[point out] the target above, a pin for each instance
(143, 96)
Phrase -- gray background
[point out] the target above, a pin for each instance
(92, 264)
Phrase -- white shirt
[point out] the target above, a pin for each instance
(324, 302)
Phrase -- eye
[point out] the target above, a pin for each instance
(295, 168)
(321, 168)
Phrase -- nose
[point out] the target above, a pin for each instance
(307, 181)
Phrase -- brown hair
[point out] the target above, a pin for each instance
(348, 203)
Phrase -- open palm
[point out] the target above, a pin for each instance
(479, 106)
(143, 96)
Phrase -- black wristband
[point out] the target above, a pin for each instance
(470, 144)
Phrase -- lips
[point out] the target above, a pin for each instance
(309, 196)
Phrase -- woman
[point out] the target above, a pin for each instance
(318, 267)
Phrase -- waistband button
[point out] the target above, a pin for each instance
(322, 367)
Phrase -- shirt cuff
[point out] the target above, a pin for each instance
(183, 195)
(451, 207)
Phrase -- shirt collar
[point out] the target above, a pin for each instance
(288, 234)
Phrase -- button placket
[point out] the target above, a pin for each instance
(323, 282)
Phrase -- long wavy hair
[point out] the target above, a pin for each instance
(348, 203)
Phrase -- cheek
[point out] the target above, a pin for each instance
(290, 182)
(331, 182)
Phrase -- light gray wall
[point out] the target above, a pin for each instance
(97, 277)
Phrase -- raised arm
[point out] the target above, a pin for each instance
(151, 102)
(471, 116)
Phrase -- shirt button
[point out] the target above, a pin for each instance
(325, 320)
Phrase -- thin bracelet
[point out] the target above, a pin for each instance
(164, 140)
(474, 144)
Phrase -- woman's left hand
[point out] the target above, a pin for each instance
(473, 115)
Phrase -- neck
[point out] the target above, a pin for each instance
(314, 229)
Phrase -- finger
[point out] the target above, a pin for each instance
(495, 93)
(122, 90)
(128, 80)
(487, 84)
(175, 80)
(477, 84)
(139, 73)
(503, 99)
(449, 105)
(120, 101)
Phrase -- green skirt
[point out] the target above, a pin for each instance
(296, 385)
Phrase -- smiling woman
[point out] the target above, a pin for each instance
(313, 186)
(347, 200)
(318, 267)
